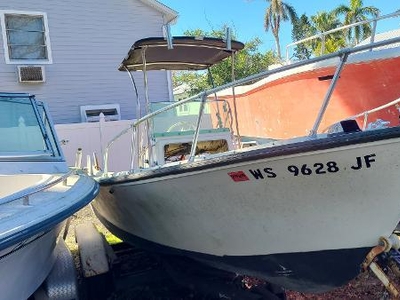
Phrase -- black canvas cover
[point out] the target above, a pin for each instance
(188, 53)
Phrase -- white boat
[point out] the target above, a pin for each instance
(38, 193)
(301, 213)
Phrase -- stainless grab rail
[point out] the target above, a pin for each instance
(25, 193)
(366, 113)
(323, 34)
(203, 95)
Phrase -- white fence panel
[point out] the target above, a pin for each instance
(93, 138)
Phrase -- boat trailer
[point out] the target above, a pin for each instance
(383, 257)
(123, 270)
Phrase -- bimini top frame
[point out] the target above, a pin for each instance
(174, 53)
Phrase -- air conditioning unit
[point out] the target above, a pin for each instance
(91, 113)
(31, 74)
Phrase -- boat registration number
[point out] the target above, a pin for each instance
(317, 168)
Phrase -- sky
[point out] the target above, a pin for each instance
(246, 17)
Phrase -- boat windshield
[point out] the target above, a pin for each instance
(174, 128)
(25, 128)
(216, 115)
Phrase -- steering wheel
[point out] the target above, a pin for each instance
(181, 126)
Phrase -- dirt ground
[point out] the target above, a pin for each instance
(366, 286)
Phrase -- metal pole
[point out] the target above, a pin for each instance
(42, 126)
(134, 150)
(219, 119)
(197, 131)
(287, 53)
(146, 89)
(135, 131)
(395, 14)
(234, 103)
(167, 35)
(136, 93)
(228, 39)
(373, 32)
(328, 94)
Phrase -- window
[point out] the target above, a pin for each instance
(91, 113)
(25, 37)
(183, 109)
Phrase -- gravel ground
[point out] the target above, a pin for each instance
(366, 286)
(85, 215)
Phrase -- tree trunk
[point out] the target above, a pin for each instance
(278, 46)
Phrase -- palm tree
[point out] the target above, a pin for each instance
(357, 12)
(302, 29)
(324, 21)
(276, 12)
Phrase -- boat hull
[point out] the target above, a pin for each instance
(30, 231)
(314, 271)
(365, 83)
(26, 265)
(288, 213)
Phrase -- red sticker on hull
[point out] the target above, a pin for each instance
(238, 176)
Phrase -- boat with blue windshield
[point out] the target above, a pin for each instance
(38, 193)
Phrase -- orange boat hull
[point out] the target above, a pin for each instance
(280, 113)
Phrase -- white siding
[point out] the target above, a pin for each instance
(89, 39)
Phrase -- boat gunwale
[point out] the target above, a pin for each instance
(334, 140)
(27, 230)
(35, 189)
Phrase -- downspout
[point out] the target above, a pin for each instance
(168, 37)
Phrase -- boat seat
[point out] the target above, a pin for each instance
(345, 126)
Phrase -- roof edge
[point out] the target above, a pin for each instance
(170, 15)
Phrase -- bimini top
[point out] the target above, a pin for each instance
(188, 53)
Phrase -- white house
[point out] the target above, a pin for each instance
(67, 54)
